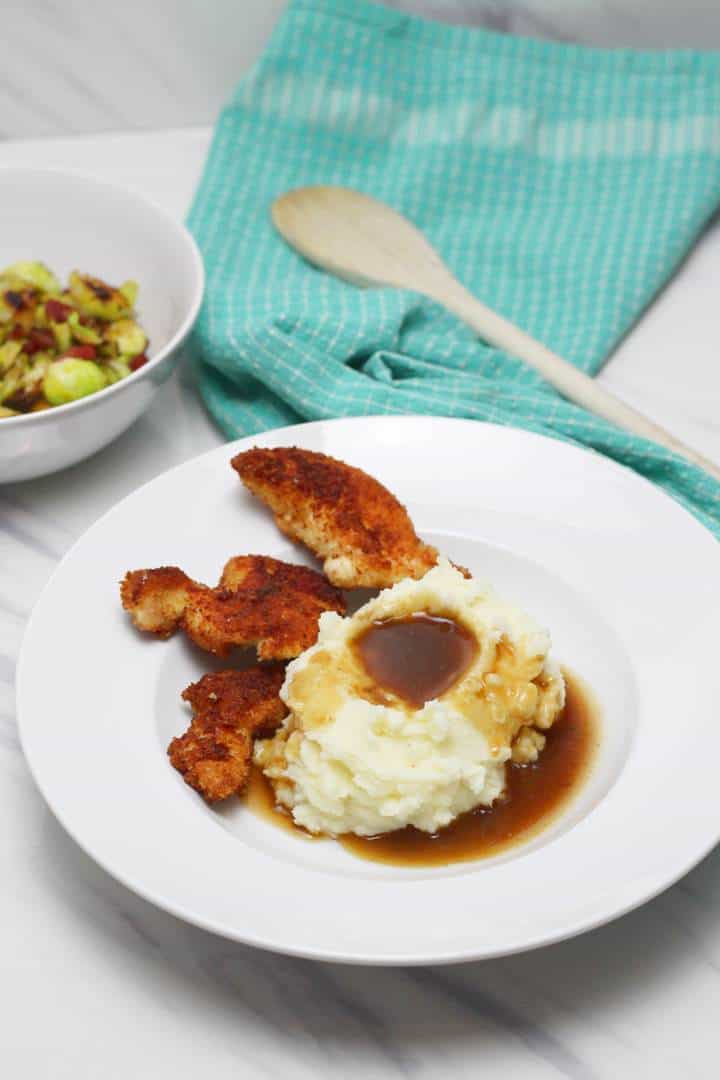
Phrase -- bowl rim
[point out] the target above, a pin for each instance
(198, 268)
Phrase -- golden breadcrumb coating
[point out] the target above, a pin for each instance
(156, 599)
(229, 708)
(345, 517)
(263, 602)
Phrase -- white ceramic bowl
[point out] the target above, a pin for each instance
(71, 221)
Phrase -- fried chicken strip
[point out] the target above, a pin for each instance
(229, 708)
(263, 602)
(345, 517)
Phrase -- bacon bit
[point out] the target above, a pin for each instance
(138, 362)
(17, 333)
(56, 311)
(82, 352)
(37, 341)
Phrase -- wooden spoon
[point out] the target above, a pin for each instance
(366, 242)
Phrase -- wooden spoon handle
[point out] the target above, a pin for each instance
(569, 380)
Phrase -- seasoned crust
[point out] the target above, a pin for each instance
(229, 707)
(156, 599)
(214, 761)
(347, 518)
(272, 605)
(247, 697)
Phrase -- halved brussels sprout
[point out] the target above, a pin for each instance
(36, 274)
(18, 304)
(10, 382)
(63, 335)
(115, 370)
(29, 388)
(129, 289)
(128, 338)
(84, 334)
(95, 297)
(9, 353)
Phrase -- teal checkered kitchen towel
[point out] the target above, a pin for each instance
(562, 185)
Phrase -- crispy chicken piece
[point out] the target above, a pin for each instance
(229, 708)
(260, 601)
(215, 762)
(345, 517)
(247, 698)
(156, 599)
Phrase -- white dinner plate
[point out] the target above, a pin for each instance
(627, 582)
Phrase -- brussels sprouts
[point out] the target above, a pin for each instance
(9, 353)
(58, 345)
(128, 338)
(69, 379)
(9, 383)
(129, 289)
(63, 336)
(18, 305)
(28, 391)
(95, 297)
(85, 334)
(116, 370)
(33, 273)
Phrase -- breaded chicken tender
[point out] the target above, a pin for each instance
(344, 516)
(246, 698)
(156, 599)
(229, 708)
(263, 602)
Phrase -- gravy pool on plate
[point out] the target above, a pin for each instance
(534, 796)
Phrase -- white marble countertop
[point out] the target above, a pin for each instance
(97, 983)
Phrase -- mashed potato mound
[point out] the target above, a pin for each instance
(352, 757)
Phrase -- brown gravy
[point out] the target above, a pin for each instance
(417, 657)
(534, 795)
(260, 797)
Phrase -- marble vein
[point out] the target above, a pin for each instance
(30, 540)
(541, 1043)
